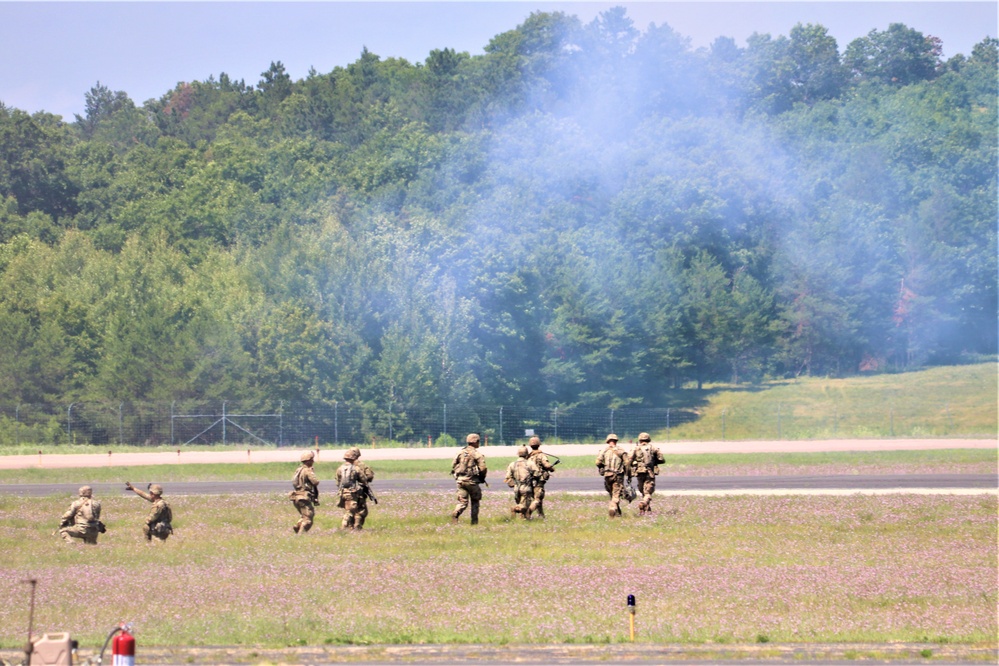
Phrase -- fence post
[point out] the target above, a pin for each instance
(667, 424)
(172, 404)
(612, 419)
(120, 438)
(69, 422)
(444, 431)
(17, 425)
(501, 424)
(556, 425)
(336, 423)
(224, 419)
(280, 423)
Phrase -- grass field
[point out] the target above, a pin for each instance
(719, 570)
(942, 401)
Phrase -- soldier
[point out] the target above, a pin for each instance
(352, 479)
(305, 497)
(158, 522)
(469, 470)
(645, 461)
(613, 465)
(83, 519)
(545, 469)
(521, 475)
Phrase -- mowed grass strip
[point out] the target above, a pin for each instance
(809, 569)
(945, 401)
(933, 461)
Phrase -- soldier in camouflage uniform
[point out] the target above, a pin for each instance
(521, 475)
(545, 469)
(160, 518)
(83, 519)
(305, 495)
(352, 479)
(613, 465)
(645, 461)
(469, 470)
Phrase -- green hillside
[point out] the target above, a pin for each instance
(584, 216)
(937, 402)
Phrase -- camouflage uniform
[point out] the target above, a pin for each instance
(469, 470)
(82, 520)
(521, 475)
(545, 469)
(158, 522)
(305, 497)
(645, 461)
(352, 479)
(613, 465)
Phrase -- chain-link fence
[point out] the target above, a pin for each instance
(329, 424)
(338, 424)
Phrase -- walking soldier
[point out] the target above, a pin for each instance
(305, 495)
(545, 469)
(521, 475)
(645, 461)
(613, 465)
(469, 470)
(352, 479)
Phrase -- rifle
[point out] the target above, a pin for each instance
(557, 459)
(367, 491)
(314, 495)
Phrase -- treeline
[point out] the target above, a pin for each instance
(583, 215)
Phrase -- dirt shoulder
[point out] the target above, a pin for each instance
(635, 653)
(181, 456)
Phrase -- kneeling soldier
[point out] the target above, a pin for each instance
(83, 519)
(160, 518)
(352, 479)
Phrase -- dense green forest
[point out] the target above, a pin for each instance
(585, 214)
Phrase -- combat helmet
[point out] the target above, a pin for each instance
(156, 489)
(307, 456)
(535, 442)
(473, 438)
(522, 451)
(644, 437)
(86, 491)
(611, 438)
(353, 453)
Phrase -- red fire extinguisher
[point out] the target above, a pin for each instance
(123, 648)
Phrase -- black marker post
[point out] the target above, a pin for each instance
(631, 615)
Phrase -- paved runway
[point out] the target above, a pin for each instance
(698, 485)
(109, 458)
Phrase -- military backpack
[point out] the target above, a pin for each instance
(466, 465)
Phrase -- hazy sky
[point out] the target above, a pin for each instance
(52, 53)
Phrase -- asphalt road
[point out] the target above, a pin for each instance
(664, 485)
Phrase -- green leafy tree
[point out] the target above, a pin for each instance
(899, 56)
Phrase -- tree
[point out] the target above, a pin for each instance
(897, 56)
(33, 155)
(274, 86)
